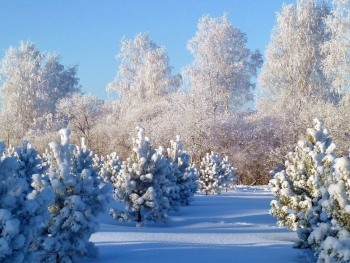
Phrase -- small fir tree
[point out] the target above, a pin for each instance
(140, 184)
(186, 174)
(170, 187)
(301, 187)
(227, 175)
(29, 161)
(108, 167)
(82, 158)
(330, 240)
(79, 198)
(23, 210)
(208, 174)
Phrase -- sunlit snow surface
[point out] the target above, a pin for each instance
(231, 227)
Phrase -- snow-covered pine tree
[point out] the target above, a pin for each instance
(227, 175)
(23, 210)
(139, 184)
(82, 158)
(170, 188)
(29, 161)
(301, 187)
(79, 198)
(330, 240)
(32, 168)
(208, 174)
(186, 173)
(108, 166)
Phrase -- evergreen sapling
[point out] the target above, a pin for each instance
(140, 184)
(79, 198)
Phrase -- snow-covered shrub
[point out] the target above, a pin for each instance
(186, 174)
(140, 184)
(79, 198)
(216, 174)
(301, 188)
(108, 166)
(23, 210)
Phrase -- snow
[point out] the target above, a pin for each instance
(231, 227)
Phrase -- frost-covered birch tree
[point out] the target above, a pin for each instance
(294, 87)
(223, 67)
(80, 113)
(293, 64)
(145, 78)
(144, 72)
(336, 63)
(31, 83)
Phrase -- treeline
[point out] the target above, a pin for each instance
(209, 104)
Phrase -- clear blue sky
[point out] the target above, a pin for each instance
(88, 32)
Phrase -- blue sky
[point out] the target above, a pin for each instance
(88, 32)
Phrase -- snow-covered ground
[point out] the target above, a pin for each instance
(231, 227)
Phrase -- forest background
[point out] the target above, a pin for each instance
(209, 103)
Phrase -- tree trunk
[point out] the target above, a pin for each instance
(139, 217)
